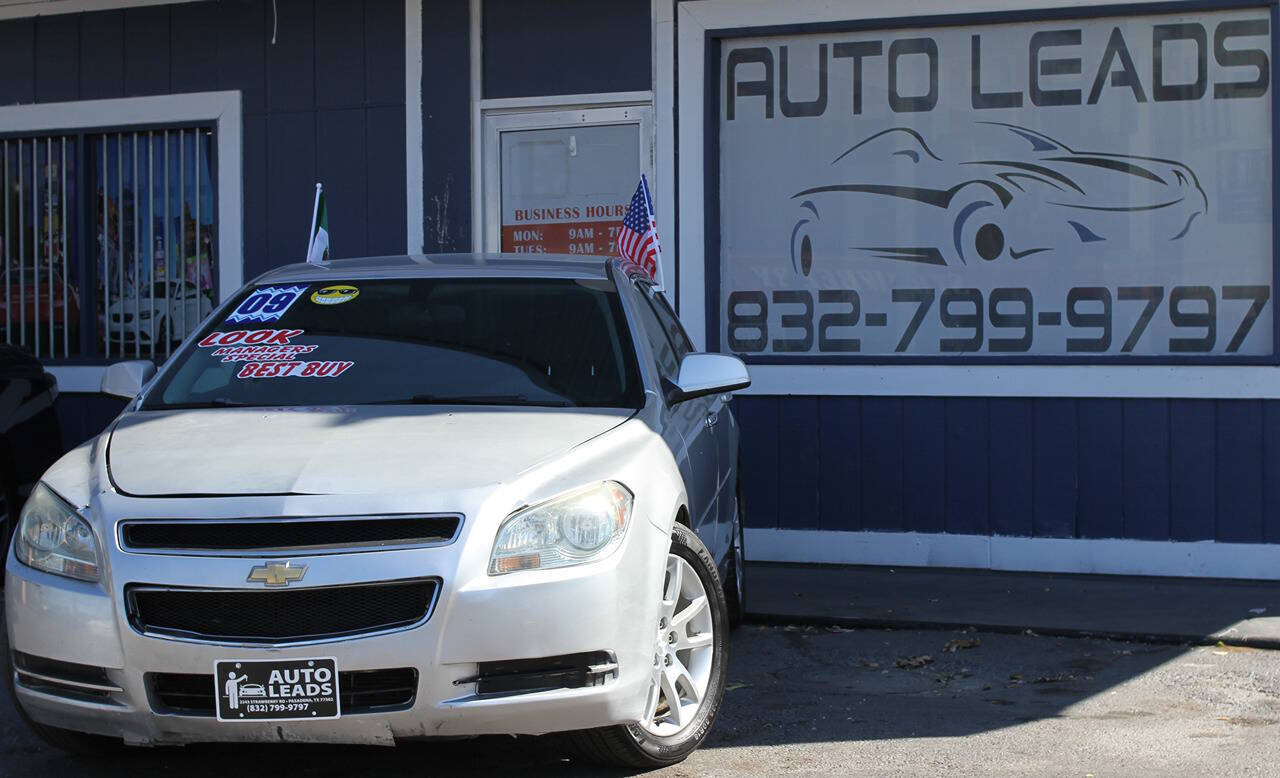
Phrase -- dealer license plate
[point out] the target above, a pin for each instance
(276, 690)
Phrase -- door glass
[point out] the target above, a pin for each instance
(566, 189)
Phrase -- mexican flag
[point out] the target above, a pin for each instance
(318, 247)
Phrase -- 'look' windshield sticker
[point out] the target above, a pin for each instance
(332, 295)
(323, 369)
(255, 345)
(267, 304)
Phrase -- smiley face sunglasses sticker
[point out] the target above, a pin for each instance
(337, 293)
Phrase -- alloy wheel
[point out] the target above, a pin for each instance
(682, 654)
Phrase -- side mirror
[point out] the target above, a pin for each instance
(126, 379)
(704, 374)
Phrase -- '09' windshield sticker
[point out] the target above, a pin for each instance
(255, 345)
(331, 368)
(267, 304)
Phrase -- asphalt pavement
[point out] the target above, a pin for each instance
(812, 700)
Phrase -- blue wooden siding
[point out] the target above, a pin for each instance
(324, 102)
(1045, 467)
(446, 125)
(566, 47)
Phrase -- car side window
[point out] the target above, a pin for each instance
(671, 323)
(663, 352)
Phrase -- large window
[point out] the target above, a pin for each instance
(1011, 189)
(108, 241)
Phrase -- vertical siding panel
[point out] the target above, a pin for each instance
(759, 447)
(343, 168)
(1239, 471)
(446, 121)
(1271, 471)
(385, 76)
(1101, 467)
(18, 61)
(57, 57)
(924, 488)
(1146, 469)
(291, 175)
(341, 53)
(256, 259)
(243, 35)
(881, 463)
(1054, 465)
(194, 65)
(967, 466)
(102, 55)
(1192, 469)
(146, 51)
(798, 462)
(384, 130)
(291, 75)
(1010, 472)
(839, 446)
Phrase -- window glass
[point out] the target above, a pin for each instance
(663, 352)
(671, 323)
(549, 342)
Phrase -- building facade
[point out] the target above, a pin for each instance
(1003, 271)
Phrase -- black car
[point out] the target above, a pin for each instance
(30, 437)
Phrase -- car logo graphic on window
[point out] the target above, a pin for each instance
(276, 573)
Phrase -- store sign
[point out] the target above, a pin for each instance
(1079, 188)
(565, 190)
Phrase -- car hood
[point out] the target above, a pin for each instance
(346, 450)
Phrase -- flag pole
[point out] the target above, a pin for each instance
(315, 214)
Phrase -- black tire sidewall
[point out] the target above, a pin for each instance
(668, 750)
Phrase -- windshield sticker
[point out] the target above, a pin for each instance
(267, 304)
(255, 345)
(329, 368)
(332, 295)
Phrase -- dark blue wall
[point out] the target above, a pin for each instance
(446, 125)
(324, 103)
(566, 47)
(1044, 467)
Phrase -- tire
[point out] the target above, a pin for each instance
(647, 747)
(78, 743)
(735, 584)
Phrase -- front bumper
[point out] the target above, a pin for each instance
(600, 606)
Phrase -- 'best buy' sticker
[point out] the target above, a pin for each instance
(332, 295)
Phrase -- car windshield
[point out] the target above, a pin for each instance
(510, 341)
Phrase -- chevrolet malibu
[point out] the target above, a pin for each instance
(382, 499)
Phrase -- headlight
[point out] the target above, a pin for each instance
(53, 538)
(565, 530)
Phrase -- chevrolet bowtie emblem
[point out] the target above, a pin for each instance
(277, 573)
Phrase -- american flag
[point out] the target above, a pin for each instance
(638, 238)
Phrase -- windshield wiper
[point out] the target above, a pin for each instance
(476, 399)
(217, 402)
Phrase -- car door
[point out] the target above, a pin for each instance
(719, 427)
(689, 434)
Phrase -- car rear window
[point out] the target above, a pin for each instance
(551, 342)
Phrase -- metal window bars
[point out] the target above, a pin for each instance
(40, 304)
(155, 293)
(106, 241)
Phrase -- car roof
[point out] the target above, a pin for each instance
(468, 265)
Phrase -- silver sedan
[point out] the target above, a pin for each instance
(404, 497)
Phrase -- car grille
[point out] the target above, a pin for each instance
(276, 536)
(286, 616)
(360, 691)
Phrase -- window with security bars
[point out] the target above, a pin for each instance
(107, 241)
